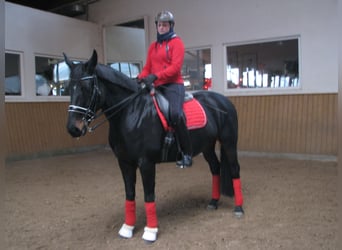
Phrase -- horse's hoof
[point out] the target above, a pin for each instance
(126, 231)
(150, 234)
(238, 212)
(212, 204)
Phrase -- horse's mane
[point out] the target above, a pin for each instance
(116, 77)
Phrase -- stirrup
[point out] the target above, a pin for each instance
(185, 162)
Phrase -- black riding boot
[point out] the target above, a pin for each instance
(182, 134)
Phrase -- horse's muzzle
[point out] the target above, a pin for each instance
(77, 128)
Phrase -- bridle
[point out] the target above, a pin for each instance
(89, 113)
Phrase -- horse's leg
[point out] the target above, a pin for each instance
(129, 175)
(229, 158)
(214, 164)
(148, 175)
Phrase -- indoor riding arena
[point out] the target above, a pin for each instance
(278, 71)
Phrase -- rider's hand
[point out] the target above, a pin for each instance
(149, 81)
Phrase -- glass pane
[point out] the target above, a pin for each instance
(263, 65)
(130, 69)
(52, 76)
(134, 69)
(196, 69)
(12, 74)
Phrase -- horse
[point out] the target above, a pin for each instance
(137, 135)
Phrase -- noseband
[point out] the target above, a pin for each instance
(88, 113)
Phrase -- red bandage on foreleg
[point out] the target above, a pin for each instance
(130, 217)
(215, 187)
(237, 192)
(151, 214)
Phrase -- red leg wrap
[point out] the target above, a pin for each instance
(130, 217)
(215, 187)
(237, 192)
(151, 214)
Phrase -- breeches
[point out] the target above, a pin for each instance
(174, 93)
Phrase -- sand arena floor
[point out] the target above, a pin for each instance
(77, 202)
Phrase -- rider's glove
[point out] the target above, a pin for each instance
(148, 80)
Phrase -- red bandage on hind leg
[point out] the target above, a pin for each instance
(237, 192)
(151, 214)
(130, 217)
(215, 187)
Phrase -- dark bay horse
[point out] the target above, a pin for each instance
(136, 135)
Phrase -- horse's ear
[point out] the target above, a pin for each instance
(91, 64)
(68, 61)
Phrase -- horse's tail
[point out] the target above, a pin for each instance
(225, 175)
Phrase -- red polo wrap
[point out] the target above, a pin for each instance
(215, 187)
(237, 192)
(130, 217)
(151, 214)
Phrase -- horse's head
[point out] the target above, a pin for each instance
(85, 98)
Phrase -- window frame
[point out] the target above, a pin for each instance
(21, 76)
(211, 62)
(263, 90)
(28, 80)
(48, 97)
(129, 62)
(59, 59)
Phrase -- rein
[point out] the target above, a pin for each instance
(119, 106)
(89, 115)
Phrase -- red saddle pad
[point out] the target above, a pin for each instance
(194, 113)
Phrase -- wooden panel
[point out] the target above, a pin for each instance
(41, 127)
(303, 124)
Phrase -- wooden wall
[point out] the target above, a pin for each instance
(300, 124)
(39, 128)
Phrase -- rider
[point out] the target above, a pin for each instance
(163, 68)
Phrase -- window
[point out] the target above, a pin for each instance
(52, 76)
(130, 69)
(272, 64)
(196, 69)
(12, 74)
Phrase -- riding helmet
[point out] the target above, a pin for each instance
(165, 16)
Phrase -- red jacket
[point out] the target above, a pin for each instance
(165, 61)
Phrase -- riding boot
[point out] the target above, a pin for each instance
(182, 134)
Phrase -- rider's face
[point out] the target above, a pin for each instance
(163, 27)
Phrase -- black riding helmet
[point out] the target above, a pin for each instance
(165, 16)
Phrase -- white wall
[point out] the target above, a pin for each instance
(124, 44)
(35, 32)
(203, 23)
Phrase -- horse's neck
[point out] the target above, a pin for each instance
(114, 95)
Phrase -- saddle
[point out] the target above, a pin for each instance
(194, 113)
